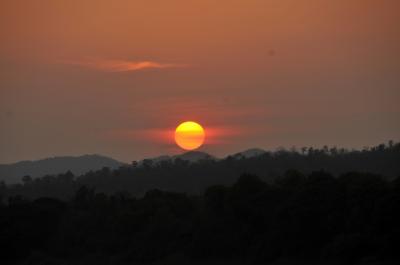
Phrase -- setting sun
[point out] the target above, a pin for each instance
(189, 135)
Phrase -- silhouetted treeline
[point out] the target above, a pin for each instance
(353, 218)
(182, 176)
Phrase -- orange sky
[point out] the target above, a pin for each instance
(114, 77)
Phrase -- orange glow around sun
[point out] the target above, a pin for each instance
(189, 135)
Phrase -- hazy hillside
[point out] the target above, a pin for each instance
(319, 206)
(253, 152)
(12, 173)
(200, 171)
(191, 156)
(195, 156)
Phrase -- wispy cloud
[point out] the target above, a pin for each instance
(123, 65)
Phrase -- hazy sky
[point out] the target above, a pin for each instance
(115, 77)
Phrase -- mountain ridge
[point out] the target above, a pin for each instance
(12, 173)
(195, 156)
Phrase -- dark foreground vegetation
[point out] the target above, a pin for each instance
(315, 218)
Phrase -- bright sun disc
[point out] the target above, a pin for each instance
(189, 135)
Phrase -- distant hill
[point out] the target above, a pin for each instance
(12, 173)
(253, 152)
(195, 156)
(191, 156)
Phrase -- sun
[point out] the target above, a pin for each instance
(189, 135)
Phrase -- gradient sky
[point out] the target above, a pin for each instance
(116, 77)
